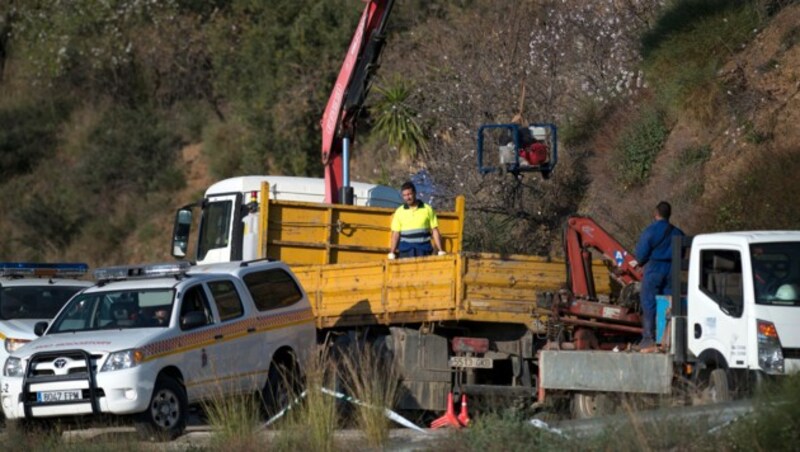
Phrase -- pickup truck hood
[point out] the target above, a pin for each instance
(20, 328)
(787, 323)
(95, 342)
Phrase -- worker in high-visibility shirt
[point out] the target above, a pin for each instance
(414, 225)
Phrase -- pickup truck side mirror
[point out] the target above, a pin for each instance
(39, 328)
(193, 320)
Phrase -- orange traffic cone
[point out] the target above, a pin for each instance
(463, 416)
(449, 417)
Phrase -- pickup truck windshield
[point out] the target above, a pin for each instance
(123, 309)
(34, 302)
(776, 273)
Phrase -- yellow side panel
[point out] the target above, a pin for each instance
(300, 233)
(480, 287)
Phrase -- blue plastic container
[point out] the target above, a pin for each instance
(662, 314)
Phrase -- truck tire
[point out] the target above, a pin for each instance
(165, 417)
(718, 388)
(586, 405)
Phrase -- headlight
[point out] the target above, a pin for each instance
(770, 355)
(13, 345)
(122, 360)
(13, 367)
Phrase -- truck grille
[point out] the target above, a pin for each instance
(61, 364)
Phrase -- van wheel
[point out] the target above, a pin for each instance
(282, 387)
(165, 417)
(717, 388)
(586, 405)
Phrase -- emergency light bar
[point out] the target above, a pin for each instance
(63, 270)
(122, 272)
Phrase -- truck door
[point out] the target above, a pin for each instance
(197, 364)
(220, 237)
(716, 314)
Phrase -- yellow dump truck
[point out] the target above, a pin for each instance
(470, 322)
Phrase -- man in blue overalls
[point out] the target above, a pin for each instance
(654, 252)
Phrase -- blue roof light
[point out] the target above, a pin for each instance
(64, 270)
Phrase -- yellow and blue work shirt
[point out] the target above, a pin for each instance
(414, 225)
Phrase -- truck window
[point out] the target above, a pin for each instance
(272, 289)
(214, 227)
(721, 279)
(776, 273)
(227, 299)
(34, 302)
(195, 300)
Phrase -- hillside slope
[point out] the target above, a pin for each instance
(736, 170)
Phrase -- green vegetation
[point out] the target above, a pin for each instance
(638, 147)
(757, 199)
(29, 134)
(688, 46)
(582, 126)
(396, 120)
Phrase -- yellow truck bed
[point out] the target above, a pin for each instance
(465, 286)
(339, 254)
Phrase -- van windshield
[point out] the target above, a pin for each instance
(34, 302)
(122, 309)
(214, 227)
(776, 273)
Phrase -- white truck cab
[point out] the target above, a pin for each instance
(743, 297)
(229, 221)
(151, 340)
(31, 293)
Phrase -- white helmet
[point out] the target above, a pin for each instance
(787, 292)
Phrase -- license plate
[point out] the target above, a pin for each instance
(471, 361)
(59, 396)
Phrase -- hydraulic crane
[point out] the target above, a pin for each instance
(347, 98)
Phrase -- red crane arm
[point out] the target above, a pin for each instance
(581, 235)
(351, 89)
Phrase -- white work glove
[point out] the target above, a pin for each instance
(391, 256)
(441, 253)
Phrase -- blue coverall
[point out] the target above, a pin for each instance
(654, 252)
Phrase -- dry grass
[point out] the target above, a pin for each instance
(311, 424)
(233, 419)
(371, 376)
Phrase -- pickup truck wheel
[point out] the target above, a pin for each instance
(283, 384)
(586, 405)
(165, 417)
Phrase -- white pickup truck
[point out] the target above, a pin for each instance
(30, 293)
(151, 340)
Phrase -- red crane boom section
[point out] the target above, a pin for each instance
(351, 88)
(583, 234)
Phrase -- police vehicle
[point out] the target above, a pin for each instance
(30, 293)
(152, 340)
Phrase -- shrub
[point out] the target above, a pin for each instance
(638, 148)
(508, 432)
(28, 134)
(396, 120)
(579, 128)
(130, 150)
(688, 46)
